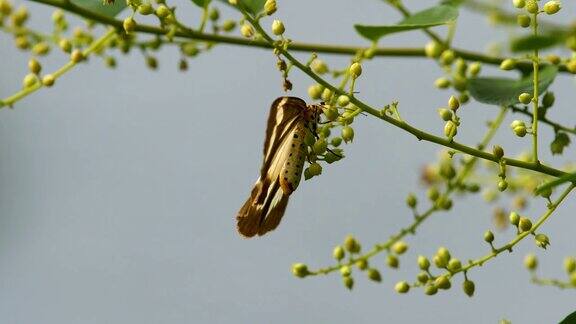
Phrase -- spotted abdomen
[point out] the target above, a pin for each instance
(292, 169)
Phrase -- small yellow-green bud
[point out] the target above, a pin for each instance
(320, 146)
(392, 261)
(450, 129)
(411, 200)
(343, 101)
(431, 290)
(460, 83)
(48, 80)
(214, 14)
(331, 114)
(548, 99)
(151, 62)
(447, 57)
(400, 247)
(519, 3)
(571, 66)
(433, 194)
(110, 62)
(315, 91)
(508, 64)
(542, 240)
(351, 245)
(319, 66)
(348, 282)
(422, 277)
(445, 114)
(336, 141)
(502, 185)
(362, 264)
(30, 80)
(525, 98)
(347, 134)
(423, 263)
(270, 7)
(551, 7)
(488, 236)
(454, 265)
(523, 21)
(443, 253)
(228, 25)
(554, 59)
(129, 24)
(22, 42)
(474, 68)
(433, 49)
(442, 282)
(20, 16)
(573, 279)
(300, 270)
(498, 151)
(41, 48)
(5, 7)
(532, 6)
(514, 218)
(520, 131)
(278, 27)
(65, 45)
(531, 262)
(145, 9)
(34, 66)
(402, 287)
(338, 253)
(233, 2)
(442, 83)
(453, 103)
(246, 30)
(570, 264)
(525, 224)
(374, 275)
(468, 287)
(345, 271)
(315, 169)
(327, 94)
(162, 11)
(77, 56)
(355, 70)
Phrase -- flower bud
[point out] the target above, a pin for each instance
(447, 57)
(525, 98)
(228, 25)
(508, 64)
(246, 30)
(278, 27)
(345, 271)
(270, 7)
(348, 282)
(548, 99)
(336, 141)
(489, 237)
(423, 263)
(468, 287)
(532, 6)
(433, 194)
(498, 151)
(542, 240)
(474, 69)
(392, 261)
(450, 129)
(400, 247)
(319, 66)
(502, 185)
(570, 264)
(554, 59)
(129, 24)
(30, 80)
(355, 70)
(343, 100)
(315, 169)
(77, 56)
(433, 49)
(442, 83)
(48, 80)
(525, 224)
(411, 200)
(315, 91)
(362, 264)
(34, 66)
(347, 134)
(431, 290)
(65, 45)
(351, 245)
(300, 270)
(402, 287)
(519, 3)
(514, 218)
(374, 275)
(422, 277)
(551, 7)
(162, 11)
(445, 114)
(454, 265)
(453, 103)
(530, 262)
(442, 282)
(145, 9)
(571, 66)
(523, 21)
(338, 253)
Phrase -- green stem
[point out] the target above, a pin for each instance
(95, 46)
(553, 282)
(536, 68)
(544, 120)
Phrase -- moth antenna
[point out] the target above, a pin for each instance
(338, 155)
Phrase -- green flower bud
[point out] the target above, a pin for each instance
(443, 253)
(461, 66)
(525, 224)
(320, 146)
(474, 69)
(498, 151)
(508, 64)
(502, 185)
(442, 83)
(468, 287)
(5, 7)
(411, 200)
(523, 21)
(300, 270)
(532, 6)
(392, 261)
(362, 264)
(327, 94)
(445, 114)
(551, 7)
(442, 282)
(542, 240)
(336, 141)
(423, 263)
(571, 66)
(48, 80)
(20, 16)
(151, 62)
(433, 49)
(270, 7)
(553, 59)
(348, 282)
(315, 169)
(22, 42)
(228, 25)
(447, 57)
(338, 253)
(319, 66)
(355, 70)
(400, 247)
(343, 101)
(315, 91)
(460, 83)
(423, 277)
(453, 103)
(573, 279)
(531, 262)
(77, 56)
(278, 27)
(162, 11)
(246, 30)
(402, 287)
(351, 245)
(525, 98)
(345, 271)
(548, 99)
(433, 194)
(514, 218)
(65, 45)
(145, 9)
(519, 3)
(374, 275)
(454, 265)
(233, 2)
(34, 66)
(450, 129)
(488, 236)
(30, 80)
(110, 62)
(347, 134)
(431, 290)
(41, 49)
(214, 14)
(570, 264)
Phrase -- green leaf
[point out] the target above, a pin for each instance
(570, 319)
(534, 42)
(100, 7)
(254, 6)
(455, 3)
(435, 16)
(555, 183)
(202, 3)
(505, 91)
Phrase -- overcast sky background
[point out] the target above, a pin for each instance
(119, 190)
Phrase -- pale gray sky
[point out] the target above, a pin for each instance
(120, 188)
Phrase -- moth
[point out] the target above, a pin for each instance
(285, 152)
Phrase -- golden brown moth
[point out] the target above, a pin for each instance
(284, 155)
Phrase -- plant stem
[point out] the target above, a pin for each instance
(536, 68)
